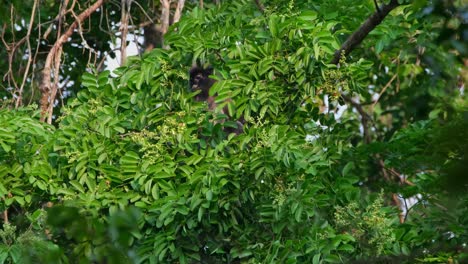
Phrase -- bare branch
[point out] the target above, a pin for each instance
(47, 89)
(54, 86)
(61, 13)
(178, 11)
(19, 99)
(355, 39)
(125, 7)
(358, 36)
(150, 20)
(11, 49)
(365, 117)
(384, 89)
(165, 12)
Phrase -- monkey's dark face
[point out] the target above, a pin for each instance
(200, 80)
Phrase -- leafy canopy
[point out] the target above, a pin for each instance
(157, 179)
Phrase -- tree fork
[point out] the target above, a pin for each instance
(355, 39)
(49, 90)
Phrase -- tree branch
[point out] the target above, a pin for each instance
(165, 12)
(19, 99)
(125, 5)
(260, 5)
(359, 35)
(384, 89)
(48, 89)
(365, 117)
(178, 11)
(376, 6)
(355, 39)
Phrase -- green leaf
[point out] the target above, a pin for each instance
(273, 25)
(349, 166)
(3, 253)
(103, 78)
(102, 157)
(209, 195)
(163, 175)
(346, 247)
(130, 158)
(77, 186)
(15, 253)
(298, 213)
(405, 250)
(201, 212)
(379, 46)
(316, 259)
(5, 147)
(308, 15)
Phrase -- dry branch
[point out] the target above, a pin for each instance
(359, 35)
(19, 99)
(384, 89)
(124, 30)
(56, 20)
(353, 40)
(165, 13)
(49, 89)
(178, 11)
(365, 117)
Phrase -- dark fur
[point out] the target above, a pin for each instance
(200, 81)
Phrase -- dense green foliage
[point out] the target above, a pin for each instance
(138, 172)
(96, 43)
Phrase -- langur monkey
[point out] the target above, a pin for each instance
(200, 81)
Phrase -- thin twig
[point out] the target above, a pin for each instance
(83, 39)
(56, 20)
(384, 89)
(357, 37)
(144, 12)
(19, 99)
(353, 40)
(365, 117)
